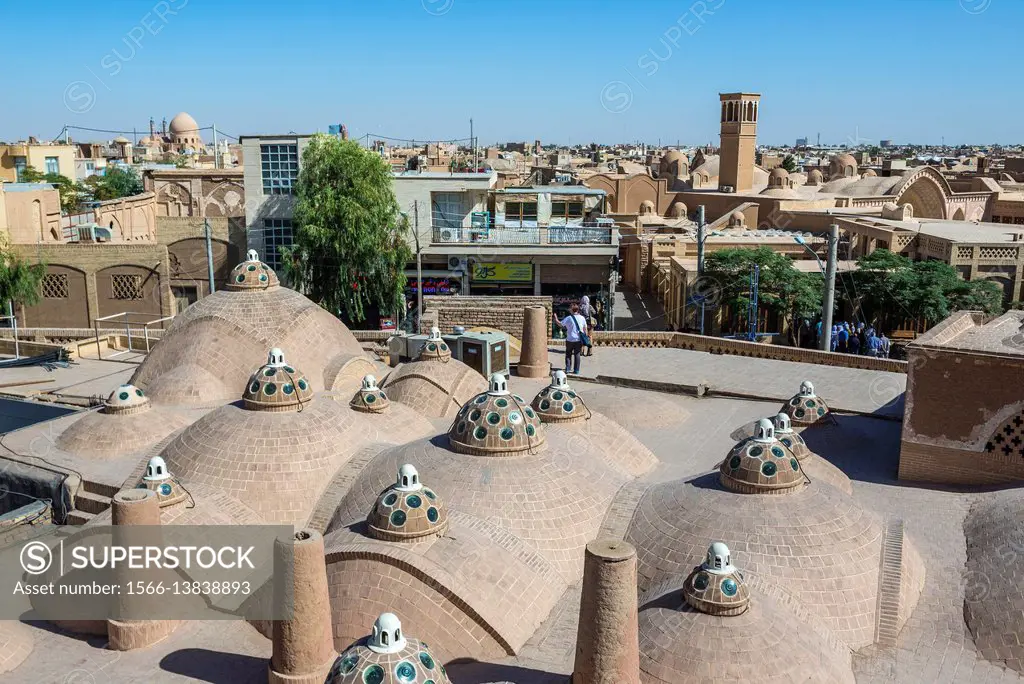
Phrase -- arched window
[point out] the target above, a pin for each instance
(405, 480)
(384, 637)
(755, 111)
(729, 116)
(723, 111)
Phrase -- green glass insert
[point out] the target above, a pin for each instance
(545, 405)
(138, 392)
(462, 427)
(799, 413)
(427, 661)
(390, 499)
(729, 587)
(254, 387)
(515, 417)
(786, 441)
(755, 451)
(777, 452)
(251, 269)
(373, 675)
(481, 399)
(794, 464)
(165, 489)
(413, 501)
(568, 407)
(507, 433)
(289, 369)
(269, 372)
(530, 430)
(432, 347)
(432, 514)
(430, 494)
(493, 418)
(529, 412)
(444, 347)
(269, 389)
(370, 398)
(480, 432)
(501, 403)
(405, 671)
(701, 581)
(809, 403)
(734, 462)
(397, 518)
(302, 384)
(475, 415)
(123, 396)
(348, 663)
(557, 396)
(263, 277)
(769, 469)
(240, 278)
(821, 412)
(288, 388)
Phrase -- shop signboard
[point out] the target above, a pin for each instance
(435, 286)
(493, 272)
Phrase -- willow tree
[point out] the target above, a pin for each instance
(350, 250)
(20, 280)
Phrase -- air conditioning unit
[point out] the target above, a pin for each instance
(458, 263)
(446, 235)
(484, 352)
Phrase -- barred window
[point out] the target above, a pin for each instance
(55, 286)
(277, 233)
(126, 286)
(280, 168)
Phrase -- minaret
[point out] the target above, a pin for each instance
(739, 135)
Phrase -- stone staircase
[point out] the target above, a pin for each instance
(92, 499)
(886, 627)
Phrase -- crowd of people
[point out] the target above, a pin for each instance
(850, 338)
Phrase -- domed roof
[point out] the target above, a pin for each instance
(677, 210)
(839, 166)
(434, 388)
(558, 402)
(122, 140)
(252, 274)
(125, 400)
(806, 408)
(737, 218)
(183, 125)
(814, 466)
(994, 593)
(769, 639)
(833, 546)
(761, 464)
(209, 351)
(435, 348)
(716, 587)
(369, 398)
(496, 423)
(159, 479)
(276, 386)
(870, 173)
(815, 177)
(16, 644)
(387, 656)
(407, 511)
(146, 140)
(778, 172)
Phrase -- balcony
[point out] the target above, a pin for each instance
(526, 233)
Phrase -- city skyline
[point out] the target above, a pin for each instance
(611, 74)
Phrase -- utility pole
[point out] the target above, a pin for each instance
(67, 135)
(701, 236)
(419, 264)
(472, 146)
(14, 325)
(216, 152)
(830, 288)
(209, 253)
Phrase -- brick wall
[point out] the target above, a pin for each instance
(502, 313)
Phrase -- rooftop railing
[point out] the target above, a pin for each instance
(526, 233)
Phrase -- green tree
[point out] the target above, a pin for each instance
(29, 174)
(789, 163)
(116, 182)
(782, 289)
(70, 193)
(350, 248)
(19, 280)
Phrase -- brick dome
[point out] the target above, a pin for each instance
(715, 586)
(369, 398)
(496, 423)
(252, 274)
(407, 510)
(761, 464)
(435, 348)
(814, 466)
(806, 408)
(558, 402)
(126, 399)
(15, 645)
(277, 386)
(435, 388)
(158, 479)
(387, 656)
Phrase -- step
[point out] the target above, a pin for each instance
(91, 503)
(100, 488)
(79, 518)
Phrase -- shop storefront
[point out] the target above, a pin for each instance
(492, 278)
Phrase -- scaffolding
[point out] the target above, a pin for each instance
(142, 326)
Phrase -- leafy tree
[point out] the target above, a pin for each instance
(116, 182)
(789, 163)
(19, 280)
(70, 192)
(350, 248)
(782, 289)
(29, 174)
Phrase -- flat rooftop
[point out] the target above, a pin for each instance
(969, 331)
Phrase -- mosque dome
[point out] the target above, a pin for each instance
(806, 408)
(387, 656)
(252, 274)
(126, 423)
(673, 158)
(146, 141)
(496, 423)
(158, 479)
(814, 466)
(778, 178)
(434, 387)
(206, 356)
(761, 464)
(842, 166)
(715, 626)
(275, 451)
(276, 386)
(435, 348)
(183, 126)
(677, 210)
(369, 398)
(407, 511)
(994, 593)
(815, 177)
(558, 402)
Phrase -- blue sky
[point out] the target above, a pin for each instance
(562, 70)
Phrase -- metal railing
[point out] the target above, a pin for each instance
(524, 233)
(14, 326)
(144, 326)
